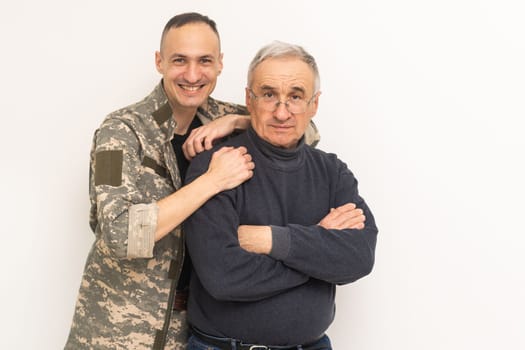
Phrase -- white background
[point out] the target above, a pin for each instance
(423, 99)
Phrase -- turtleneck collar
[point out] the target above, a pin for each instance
(277, 157)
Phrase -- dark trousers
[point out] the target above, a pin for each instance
(200, 341)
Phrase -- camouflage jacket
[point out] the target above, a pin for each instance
(125, 288)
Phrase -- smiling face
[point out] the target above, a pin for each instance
(189, 61)
(287, 78)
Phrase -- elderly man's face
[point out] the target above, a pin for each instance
(285, 79)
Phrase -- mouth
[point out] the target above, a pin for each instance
(191, 88)
(282, 127)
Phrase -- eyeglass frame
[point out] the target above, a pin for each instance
(286, 102)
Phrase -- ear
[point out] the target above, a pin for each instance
(220, 63)
(158, 62)
(315, 104)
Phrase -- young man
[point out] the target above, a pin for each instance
(266, 259)
(127, 294)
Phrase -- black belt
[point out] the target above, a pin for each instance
(226, 344)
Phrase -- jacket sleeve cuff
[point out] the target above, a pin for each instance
(141, 230)
(280, 242)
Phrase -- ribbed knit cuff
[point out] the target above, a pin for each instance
(280, 242)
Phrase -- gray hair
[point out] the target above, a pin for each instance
(279, 49)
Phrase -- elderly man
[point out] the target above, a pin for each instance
(267, 255)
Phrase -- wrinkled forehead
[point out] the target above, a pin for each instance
(283, 74)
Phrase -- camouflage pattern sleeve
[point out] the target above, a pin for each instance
(126, 224)
(124, 297)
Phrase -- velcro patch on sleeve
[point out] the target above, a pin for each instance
(152, 164)
(108, 168)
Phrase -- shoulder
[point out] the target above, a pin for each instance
(216, 108)
(119, 126)
(328, 160)
(141, 118)
(143, 111)
(321, 155)
(199, 164)
(234, 141)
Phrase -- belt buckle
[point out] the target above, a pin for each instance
(258, 347)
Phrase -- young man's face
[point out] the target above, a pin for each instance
(189, 61)
(283, 79)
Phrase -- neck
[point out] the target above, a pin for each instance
(182, 124)
(183, 117)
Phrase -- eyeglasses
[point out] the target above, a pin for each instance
(295, 104)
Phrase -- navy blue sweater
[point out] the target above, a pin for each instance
(286, 297)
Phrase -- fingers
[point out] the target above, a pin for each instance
(233, 152)
(355, 222)
(187, 149)
(203, 137)
(231, 166)
(345, 212)
(222, 150)
(208, 143)
(346, 216)
(242, 150)
(358, 226)
(345, 207)
(195, 143)
(353, 219)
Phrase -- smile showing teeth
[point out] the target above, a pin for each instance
(190, 88)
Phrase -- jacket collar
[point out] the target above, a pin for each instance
(162, 112)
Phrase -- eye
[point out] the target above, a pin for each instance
(268, 95)
(206, 61)
(178, 61)
(296, 98)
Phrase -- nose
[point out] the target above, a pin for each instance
(281, 111)
(192, 73)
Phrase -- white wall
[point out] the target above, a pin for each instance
(423, 99)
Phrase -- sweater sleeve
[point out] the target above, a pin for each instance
(227, 271)
(335, 256)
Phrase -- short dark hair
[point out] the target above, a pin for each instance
(186, 18)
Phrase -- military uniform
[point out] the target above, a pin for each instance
(125, 289)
